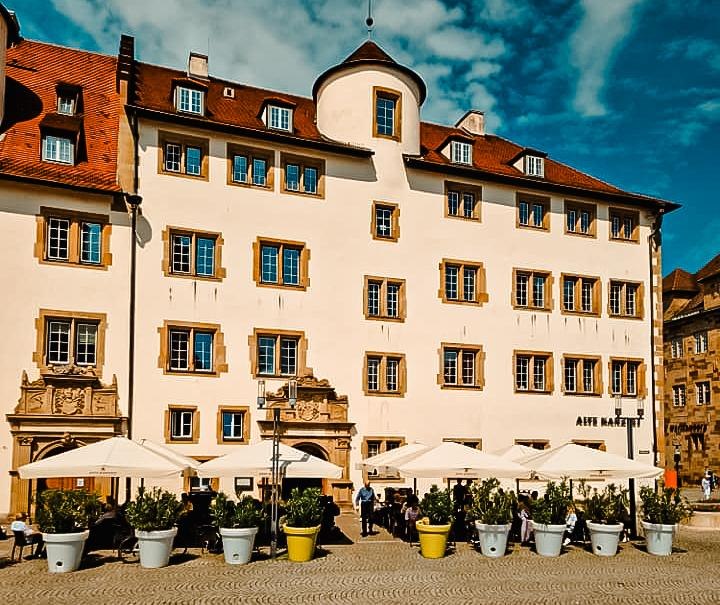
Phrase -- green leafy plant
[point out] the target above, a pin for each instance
(552, 508)
(665, 506)
(490, 504)
(247, 512)
(303, 508)
(154, 510)
(67, 511)
(607, 506)
(437, 506)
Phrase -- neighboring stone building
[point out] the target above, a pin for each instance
(420, 282)
(692, 369)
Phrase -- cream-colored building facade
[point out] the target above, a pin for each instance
(420, 282)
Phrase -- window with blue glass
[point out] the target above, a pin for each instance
(387, 123)
(302, 175)
(259, 172)
(240, 169)
(233, 425)
(310, 180)
(183, 155)
(277, 355)
(193, 161)
(282, 264)
(205, 256)
(193, 254)
(202, 351)
(292, 177)
(90, 243)
(533, 213)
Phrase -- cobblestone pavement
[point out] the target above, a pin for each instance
(380, 570)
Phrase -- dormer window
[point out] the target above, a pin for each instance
(460, 152)
(190, 100)
(57, 149)
(534, 166)
(280, 118)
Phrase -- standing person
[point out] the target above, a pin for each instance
(366, 499)
(706, 487)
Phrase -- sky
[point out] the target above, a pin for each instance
(625, 90)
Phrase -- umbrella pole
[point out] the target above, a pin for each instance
(29, 502)
(415, 486)
(517, 486)
(275, 477)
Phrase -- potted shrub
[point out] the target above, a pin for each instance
(238, 524)
(303, 515)
(64, 518)
(434, 527)
(661, 511)
(605, 512)
(492, 511)
(154, 515)
(548, 518)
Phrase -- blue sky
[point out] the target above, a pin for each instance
(626, 90)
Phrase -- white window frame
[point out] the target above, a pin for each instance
(703, 392)
(679, 395)
(66, 105)
(461, 152)
(182, 424)
(701, 343)
(200, 97)
(279, 118)
(534, 166)
(52, 149)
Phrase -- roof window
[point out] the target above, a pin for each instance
(460, 152)
(534, 166)
(190, 100)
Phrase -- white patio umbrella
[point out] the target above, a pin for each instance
(113, 457)
(190, 463)
(256, 459)
(453, 460)
(516, 452)
(389, 461)
(580, 462)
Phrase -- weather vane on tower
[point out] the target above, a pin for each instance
(370, 22)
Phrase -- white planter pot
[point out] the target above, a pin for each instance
(155, 547)
(548, 539)
(492, 538)
(64, 551)
(238, 544)
(604, 538)
(659, 538)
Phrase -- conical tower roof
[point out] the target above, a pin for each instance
(369, 53)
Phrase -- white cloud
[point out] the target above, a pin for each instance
(602, 30)
(504, 11)
(284, 45)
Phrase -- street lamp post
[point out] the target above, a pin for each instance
(133, 202)
(676, 459)
(275, 463)
(630, 422)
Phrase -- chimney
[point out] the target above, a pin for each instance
(473, 122)
(125, 62)
(198, 66)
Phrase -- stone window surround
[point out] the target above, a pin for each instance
(394, 222)
(580, 206)
(481, 294)
(382, 377)
(641, 370)
(44, 315)
(596, 295)
(169, 231)
(597, 375)
(304, 281)
(625, 213)
(533, 199)
(549, 279)
(389, 93)
(549, 372)
(479, 367)
(219, 351)
(402, 298)
(303, 162)
(243, 409)
(639, 299)
(75, 218)
(462, 188)
(195, 436)
(184, 140)
(302, 347)
(262, 153)
(385, 477)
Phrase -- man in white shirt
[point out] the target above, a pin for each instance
(31, 536)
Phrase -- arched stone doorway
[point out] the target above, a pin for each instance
(289, 483)
(65, 408)
(318, 425)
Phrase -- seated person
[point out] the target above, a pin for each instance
(412, 514)
(31, 536)
(570, 522)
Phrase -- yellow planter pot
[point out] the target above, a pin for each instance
(301, 542)
(433, 539)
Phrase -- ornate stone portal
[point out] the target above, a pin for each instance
(66, 407)
(319, 424)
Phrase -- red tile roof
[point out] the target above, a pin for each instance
(34, 70)
(711, 269)
(369, 51)
(680, 280)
